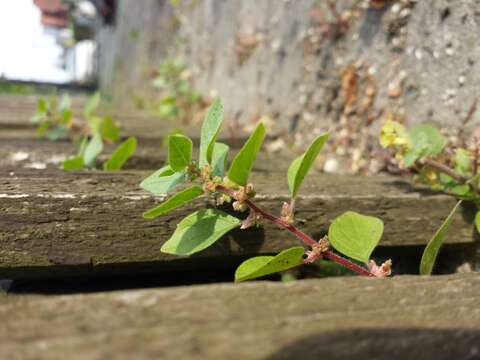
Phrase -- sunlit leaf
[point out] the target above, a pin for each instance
(219, 159)
(121, 154)
(198, 231)
(266, 265)
(477, 221)
(65, 103)
(109, 130)
(463, 162)
(431, 250)
(210, 129)
(243, 162)
(179, 199)
(92, 104)
(300, 167)
(355, 235)
(426, 141)
(93, 149)
(179, 151)
(73, 163)
(163, 180)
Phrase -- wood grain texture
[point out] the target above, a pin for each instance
(342, 318)
(54, 223)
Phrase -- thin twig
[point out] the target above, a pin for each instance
(467, 119)
(445, 169)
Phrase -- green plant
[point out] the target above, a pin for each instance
(442, 166)
(352, 234)
(178, 99)
(55, 120)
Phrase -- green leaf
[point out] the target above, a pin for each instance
(355, 235)
(431, 250)
(265, 265)
(95, 122)
(210, 129)
(243, 161)
(42, 106)
(73, 163)
(93, 149)
(92, 104)
(426, 141)
(300, 167)
(38, 118)
(42, 128)
(461, 190)
(168, 108)
(179, 199)
(82, 145)
(179, 151)
(198, 231)
(463, 162)
(56, 133)
(477, 221)
(219, 159)
(66, 116)
(109, 130)
(65, 103)
(121, 154)
(163, 180)
(159, 82)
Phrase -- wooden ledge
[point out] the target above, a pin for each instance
(55, 223)
(341, 318)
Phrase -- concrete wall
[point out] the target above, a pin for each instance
(303, 65)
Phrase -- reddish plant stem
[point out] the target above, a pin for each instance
(445, 169)
(299, 234)
(347, 263)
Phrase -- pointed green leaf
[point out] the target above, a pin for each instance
(163, 180)
(300, 167)
(179, 151)
(219, 159)
(463, 162)
(93, 149)
(73, 163)
(265, 265)
(198, 231)
(109, 130)
(42, 106)
(477, 221)
(92, 104)
(243, 161)
(431, 250)
(66, 116)
(210, 129)
(355, 235)
(121, 154)
(179, 199)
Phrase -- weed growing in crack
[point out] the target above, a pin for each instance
(55, 120)
(352, 234)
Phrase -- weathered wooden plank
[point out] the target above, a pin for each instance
(54, 223)
(150, 155)
(343, 318)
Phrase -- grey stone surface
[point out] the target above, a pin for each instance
(269, 58)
